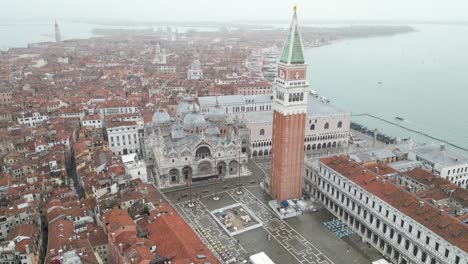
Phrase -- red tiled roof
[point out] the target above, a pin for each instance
(176, 240)
(381, 168)
(117, 218)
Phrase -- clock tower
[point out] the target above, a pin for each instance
(290, 90)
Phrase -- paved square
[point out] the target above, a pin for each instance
(303, 239)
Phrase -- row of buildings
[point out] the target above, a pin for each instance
(410, 217)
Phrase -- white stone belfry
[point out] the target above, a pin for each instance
(58, 36)
(160, 55)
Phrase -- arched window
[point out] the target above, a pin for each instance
(262, 132)
(312, 127)
(327, 126)
(340, 124)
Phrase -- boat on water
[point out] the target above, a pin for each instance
(399, 118)
(324, 99)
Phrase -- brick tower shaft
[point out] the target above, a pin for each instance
(290, 91)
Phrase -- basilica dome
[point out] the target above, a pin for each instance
(160, 117)
(194, 121)
(185, 107)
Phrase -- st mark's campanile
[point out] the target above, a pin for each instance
(290, 91)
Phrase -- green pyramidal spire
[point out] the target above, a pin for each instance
(292, 51)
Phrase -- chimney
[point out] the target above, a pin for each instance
(421, 204)
(377, 170)
(121, 247)
(441, 211)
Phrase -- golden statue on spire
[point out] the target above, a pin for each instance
(295, 8)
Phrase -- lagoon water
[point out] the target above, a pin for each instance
(423, 75)
(423, 78)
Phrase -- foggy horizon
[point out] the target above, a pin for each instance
(144, 11)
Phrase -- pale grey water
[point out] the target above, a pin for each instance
(424, 74)
(424, 78)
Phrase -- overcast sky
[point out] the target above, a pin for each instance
(226, 10)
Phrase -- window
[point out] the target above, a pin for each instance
(447, 252)
(424, 256)
(457, 260)
(340, 124)
(312, 127)
(437, 246)
(327, 126)
(262, 132)
(427, 240)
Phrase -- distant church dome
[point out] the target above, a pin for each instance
(194, 121)
(160, 117)
(196, 65)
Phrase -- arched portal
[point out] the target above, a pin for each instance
(204, 167)
(174, 175)
(233, 167)
(221, 168)
(186, 171)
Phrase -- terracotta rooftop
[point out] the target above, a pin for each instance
(120, 124)
(176, 240)
(117, 218)
(381, 168)
(444, 225)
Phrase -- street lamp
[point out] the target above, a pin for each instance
(215, 196)
(190, 203)
(239, 190)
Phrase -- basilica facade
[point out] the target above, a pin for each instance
(191, 147)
